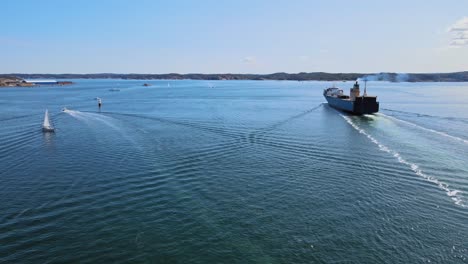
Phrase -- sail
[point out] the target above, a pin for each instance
(46, 123)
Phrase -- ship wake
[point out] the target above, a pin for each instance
(426, 129)
(412, 114)
(455, 195)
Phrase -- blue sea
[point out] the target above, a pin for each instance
(233, 172)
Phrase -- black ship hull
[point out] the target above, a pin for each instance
(360, 106)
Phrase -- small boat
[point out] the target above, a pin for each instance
(47, 126)
(64, 109)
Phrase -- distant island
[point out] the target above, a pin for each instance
(302, 76)
(13, 81)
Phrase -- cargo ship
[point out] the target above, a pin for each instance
(354, 103)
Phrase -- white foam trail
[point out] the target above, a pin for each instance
(104, 119)
(426, 129)
(75, 114)
(455, 195)
(85, 116)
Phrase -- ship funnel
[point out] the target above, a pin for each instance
(365, 87)
(354, 92)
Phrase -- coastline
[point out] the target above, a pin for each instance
(302, 76)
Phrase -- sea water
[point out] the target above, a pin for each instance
(233, 172)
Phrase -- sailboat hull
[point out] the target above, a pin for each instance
(48, 129)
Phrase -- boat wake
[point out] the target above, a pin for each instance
(459, 119)
(16, 117)
(89, 117)
(86, 116)
(289, 119)
(426, 129)
(455, 195)
(75, 114)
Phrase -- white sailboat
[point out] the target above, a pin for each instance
(47, 126)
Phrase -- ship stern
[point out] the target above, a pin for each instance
(366, 105)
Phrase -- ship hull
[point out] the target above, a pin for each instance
(361, 105)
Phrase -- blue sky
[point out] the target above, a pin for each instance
(241, 36)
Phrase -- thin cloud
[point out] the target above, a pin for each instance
(459, 32)
(249, 60)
